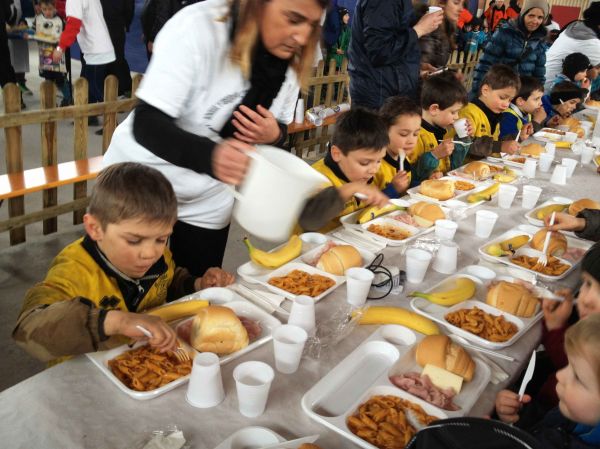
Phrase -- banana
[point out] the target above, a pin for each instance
(484, 195)
(463, 289)
(564, 145)
(504, 177)
(495, 250)
(543, 212)
(514, 243)
(172, 312)
(597, 160)
(398, 315)
(275, 259)
(373, 212)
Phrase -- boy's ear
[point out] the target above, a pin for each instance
(519, 101)
(92, 227)
(336, 153)
(485, 90)
(434, 108)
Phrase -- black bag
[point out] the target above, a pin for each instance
(472, 433)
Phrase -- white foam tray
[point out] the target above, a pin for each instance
(458, 194)
(365, 372)
(530, 216)
(242, 308)
(459, 173)
(572, 242)
(545, 136)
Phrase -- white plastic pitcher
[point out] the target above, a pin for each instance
(273, 193)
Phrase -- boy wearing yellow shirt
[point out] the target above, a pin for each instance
(402, 116)
(499, 86)
(357, 147)
(442, 97)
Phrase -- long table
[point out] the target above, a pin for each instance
(73, 405)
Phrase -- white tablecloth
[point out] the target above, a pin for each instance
(74, 405)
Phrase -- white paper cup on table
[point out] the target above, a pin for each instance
(417, 262)
(550, 148)
(446, 257)
(460, 126)
(205, 388)
(433, 9)
(252, 382)
(529, 168)
(312, 239)
(506, 195)
(288, 344)
(559, 175)
(546, 162)
(485, 220)
(358, 284)
(587, 154)
(531, 195)
(303, 313)
(445, 229)
(570, 164)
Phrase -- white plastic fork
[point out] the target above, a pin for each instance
(402, 155)
(543, 259)
(180, 353)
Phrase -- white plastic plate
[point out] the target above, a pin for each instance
(459, 173)
(458, 194)
(531, 215)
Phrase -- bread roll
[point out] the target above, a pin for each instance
(578, 130)
(571, 122)
(584, 203)
(512, 298)
(428, 211)
(339, 258)
(437, 188)
(533, 149)
(557, 245)
(441, 351)
(217, 329)
(477, 169)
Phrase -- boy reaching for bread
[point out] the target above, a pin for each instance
(358, 146)
(442, 98)
(97, 287)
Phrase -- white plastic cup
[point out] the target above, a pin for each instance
(446, 258)
(570, 164)
(205, 388)
(485, 220)
(299, 115)
(587, 155)
(506, 195)
(303, 313)
(288, 344)
(445, 229)
(312, 239)
(550, 148)
(358, 284)
(252, 383)
(460, 125)
(433, 9)
(546, 162)
(529, 168)
(417, 262)
(559, 175)
(531, 195)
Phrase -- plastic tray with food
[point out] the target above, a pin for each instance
(445, 190)
(554, 204)
(259, 325)
(518, 248)
(555, 135)
(480, 171)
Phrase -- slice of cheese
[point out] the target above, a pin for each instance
(442, 378)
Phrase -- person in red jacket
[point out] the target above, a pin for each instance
(498, 12)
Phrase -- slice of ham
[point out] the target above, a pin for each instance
(421, 387)
(184, 330)
(574, 254)
(405, 218)
(315, 259)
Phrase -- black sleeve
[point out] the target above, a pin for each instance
(128, 12)
(162, 13)
(592, 225)
(158, 133)
(321, 209)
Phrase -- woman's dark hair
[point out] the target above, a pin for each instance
(444, 90)
(360, 129)
(394, 107)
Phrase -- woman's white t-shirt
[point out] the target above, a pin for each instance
(191, 78)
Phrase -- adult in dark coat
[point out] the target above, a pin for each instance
(7, 74)
(118, 15)
(384, 50)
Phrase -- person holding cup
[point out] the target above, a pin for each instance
(224, 76)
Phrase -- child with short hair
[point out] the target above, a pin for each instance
(442, 97)
(575, 423)
(97, 287)
(358, 146)
(498, 87)
(525, 114)
(574, 69)
(402, 116)
(562, 102)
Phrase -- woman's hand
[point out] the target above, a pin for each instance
(214, 277)
(257, 126)
(230, 161)
(565, 222)
(508, 405)
(557, 313)
(118, 322)
(429, 23)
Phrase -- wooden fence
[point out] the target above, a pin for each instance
(47, 117)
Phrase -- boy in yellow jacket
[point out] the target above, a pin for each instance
(97, 286)
(499, 86)
(525, 114)
(358, 145)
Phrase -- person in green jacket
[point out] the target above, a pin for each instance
(339, 49)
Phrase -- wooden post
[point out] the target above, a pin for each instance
(49, 149)
(14, 157)
(80, 142)
(111, 88)
(342, 93)
(135, 83)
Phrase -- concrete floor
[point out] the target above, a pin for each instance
(23, 265)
